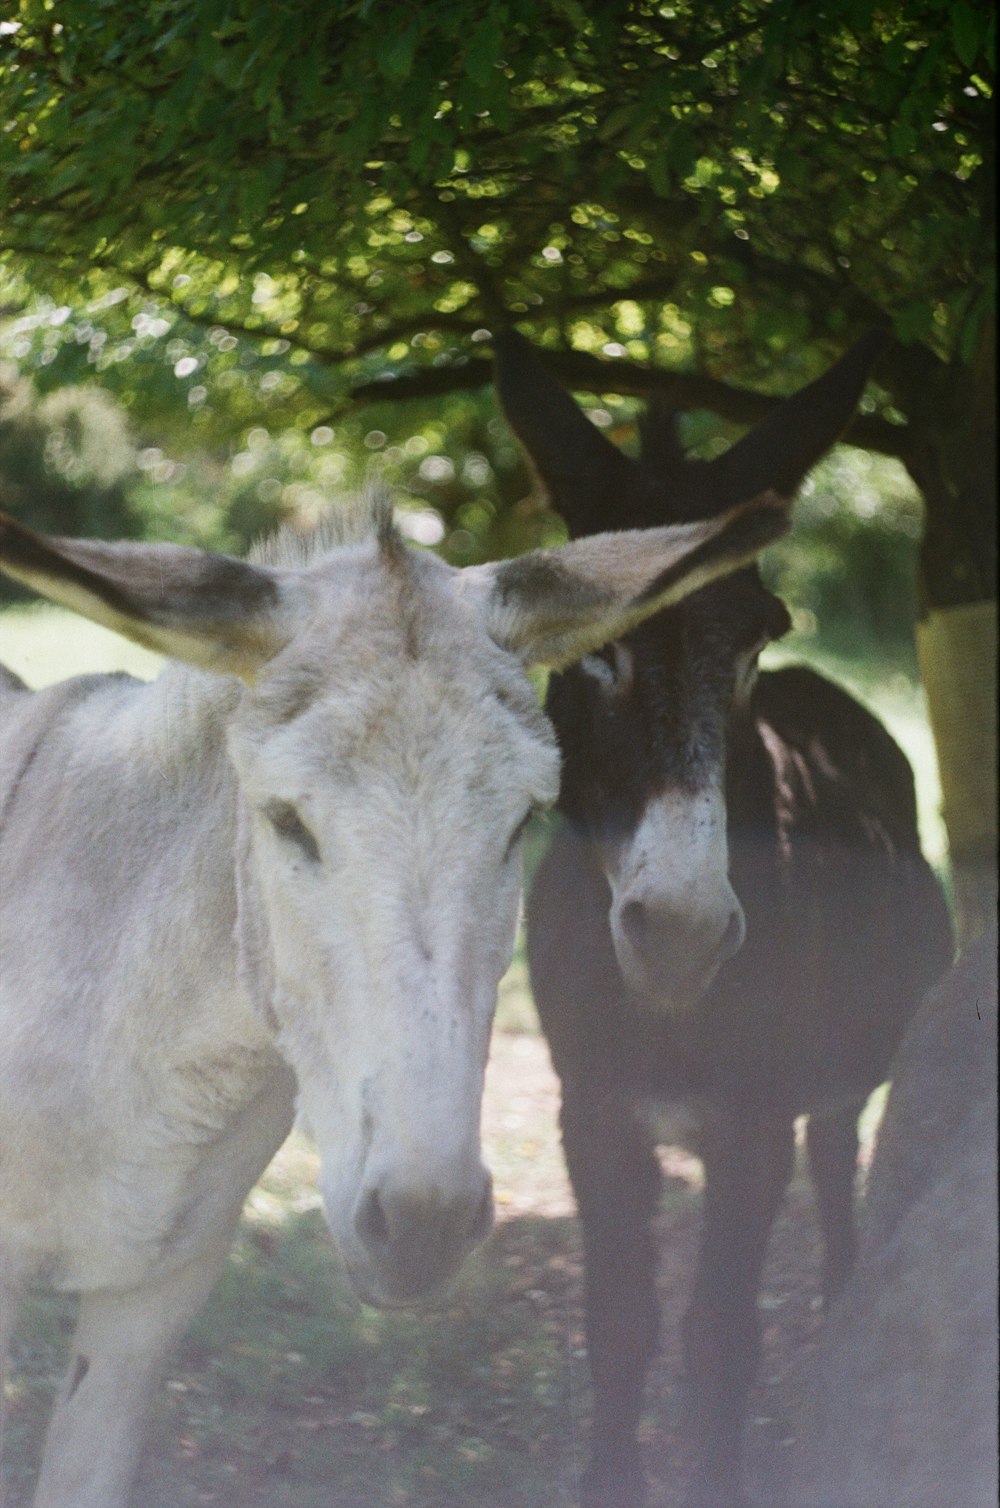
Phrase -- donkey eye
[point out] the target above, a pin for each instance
(289, 825)
(612, 667)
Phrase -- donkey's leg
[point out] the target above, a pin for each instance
(832, 1144)
(747, 1167)
(616, 1179)
(121, 1342)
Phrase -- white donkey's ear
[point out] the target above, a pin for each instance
(550, 607)
(209, 610)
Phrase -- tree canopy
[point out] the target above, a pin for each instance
(378, 183)
(367, 189)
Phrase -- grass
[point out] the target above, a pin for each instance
(44, 644)
(287, 1394)
(417, 1406)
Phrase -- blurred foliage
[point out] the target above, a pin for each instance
(244, 216)
(69, 456)
(66, 463)
(69, 464)
(848, 570)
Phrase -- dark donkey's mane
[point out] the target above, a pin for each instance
(845, 924)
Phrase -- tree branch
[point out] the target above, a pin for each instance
(681, 390)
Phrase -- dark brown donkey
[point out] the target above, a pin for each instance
(735, 920)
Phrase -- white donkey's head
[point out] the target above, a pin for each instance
(388, 751)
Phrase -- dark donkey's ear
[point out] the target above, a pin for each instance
(778, 452)
(580, 469)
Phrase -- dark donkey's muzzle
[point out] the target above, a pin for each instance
(669, 957)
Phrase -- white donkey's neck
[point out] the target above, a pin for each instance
(122, 963)
(171, 805)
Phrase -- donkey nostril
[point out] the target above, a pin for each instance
(634, 921)
(371, 1223)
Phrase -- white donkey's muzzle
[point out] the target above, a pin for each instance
(411, 1238)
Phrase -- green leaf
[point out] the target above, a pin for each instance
(574, 13)
(914, 321)
(902, 139)
(615, 123)
(254, 193)
(681, 150)
(659, 175)
(965, 33)
(395, 56)
(484, 49)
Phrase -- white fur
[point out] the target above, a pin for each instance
(167, 958)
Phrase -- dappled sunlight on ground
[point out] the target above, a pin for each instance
(520, 1131)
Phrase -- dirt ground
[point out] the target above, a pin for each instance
(287, 1395)
(522, 1096)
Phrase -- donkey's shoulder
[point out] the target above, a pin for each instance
(847, 751)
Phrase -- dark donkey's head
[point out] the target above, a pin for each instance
(643, 723)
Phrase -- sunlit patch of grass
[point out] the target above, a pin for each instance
(43, 644)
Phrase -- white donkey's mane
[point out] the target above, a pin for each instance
(355, 521)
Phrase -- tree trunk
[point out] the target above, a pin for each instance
(952, 413)
(957, 649)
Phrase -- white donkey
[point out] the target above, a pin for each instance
(285, 871)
